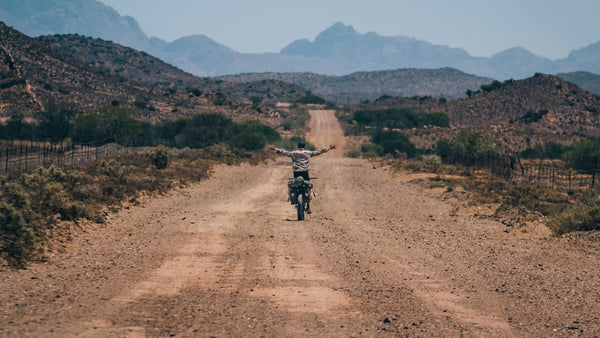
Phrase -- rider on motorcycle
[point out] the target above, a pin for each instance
(300, 160)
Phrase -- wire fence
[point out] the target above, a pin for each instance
(555, 175)
(27, 157)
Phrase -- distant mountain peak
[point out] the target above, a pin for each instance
(338, 31)
(89, 18)
(514, 51)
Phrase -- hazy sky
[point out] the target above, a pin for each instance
(550, 28)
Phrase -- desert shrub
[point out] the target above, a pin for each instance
(353, 154)
(492, 86)
(195, 91)
(49, 194)
(159, 157)
(311, 99)
(432, 162)
(531, 116)
(256, 101)
(577, 218)
(17, 240)
(370, 149)
(531, 196)
(31, 206)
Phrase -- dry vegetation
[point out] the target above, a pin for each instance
(34, 206)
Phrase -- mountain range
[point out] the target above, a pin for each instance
(367, 86)
(338, 50)
(84, 74)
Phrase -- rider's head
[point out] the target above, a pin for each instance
(301, 145)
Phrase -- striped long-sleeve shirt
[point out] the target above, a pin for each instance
(300, 157)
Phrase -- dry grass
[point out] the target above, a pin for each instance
(32, 205)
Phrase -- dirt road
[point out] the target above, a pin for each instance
(381, 255)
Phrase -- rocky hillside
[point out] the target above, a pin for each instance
(35, 72)
(143, 68)
(539, 109)
(32, 73)
(368, 86)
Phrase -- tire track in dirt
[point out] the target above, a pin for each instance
(298, 285)
(437, 293)
(198, 263)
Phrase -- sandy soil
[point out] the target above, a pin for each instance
(381, 255)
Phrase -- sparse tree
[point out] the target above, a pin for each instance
(585, 156)
(55, 121)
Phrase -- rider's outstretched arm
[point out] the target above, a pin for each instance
(323, 150)
(280, 151)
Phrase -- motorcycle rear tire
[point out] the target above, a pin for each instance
(300, 206)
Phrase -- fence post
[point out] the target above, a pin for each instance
(20, 156)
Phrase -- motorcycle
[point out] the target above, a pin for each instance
(299, 192)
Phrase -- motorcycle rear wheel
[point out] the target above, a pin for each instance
(300, 206)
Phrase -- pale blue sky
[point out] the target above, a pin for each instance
(550, 28)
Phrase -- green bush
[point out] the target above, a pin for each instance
(311, 99)
(112, 124)
(393, 142)
(255, 126)
(248, 140)
(467, 147)
(492, 86)
(585, 156)
(546, 151)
